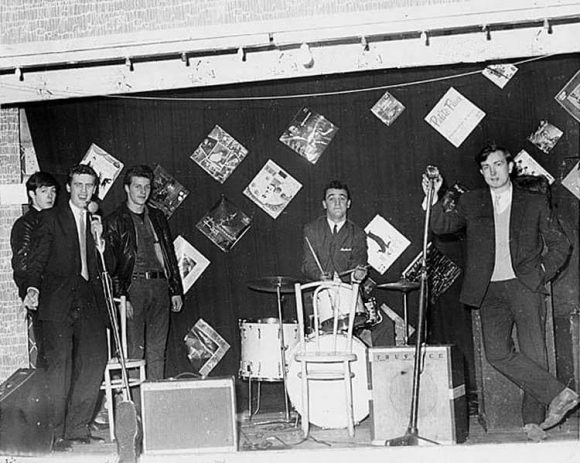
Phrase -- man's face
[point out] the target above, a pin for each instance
(82, 188)
(496, 171)
(336, 203)
(43, 197)
(138, 191)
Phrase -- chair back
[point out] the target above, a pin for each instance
(335, 289)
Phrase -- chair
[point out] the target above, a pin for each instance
(318, 363)
(113, 375)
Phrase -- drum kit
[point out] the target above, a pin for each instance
(268, 346)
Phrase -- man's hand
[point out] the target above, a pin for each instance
(437, 182)
(176, 303)
(30, 301)
(97, 231)
(129, 311)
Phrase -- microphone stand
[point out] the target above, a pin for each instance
(411, 436)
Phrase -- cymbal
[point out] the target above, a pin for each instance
(401, 285)
(271, 284)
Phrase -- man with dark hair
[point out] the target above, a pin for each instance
(41, 188)
(64, 283)
(143, 266)
(514, 246)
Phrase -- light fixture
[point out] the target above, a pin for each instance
(425, 38)
(18, 74)
(547, 26)
(129, 64)
(185, 59)
(486, 30)
(364, 43)
(242, 54)
(306, 57)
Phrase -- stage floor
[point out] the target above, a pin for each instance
(268, 438)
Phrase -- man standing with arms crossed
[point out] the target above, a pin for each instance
(144, 268)
(508, 230)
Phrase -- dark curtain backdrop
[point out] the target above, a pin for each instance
(381, 164)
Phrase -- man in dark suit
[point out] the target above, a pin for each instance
(64, 283)
(514, 246)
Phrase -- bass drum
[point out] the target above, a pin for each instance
(327, 407)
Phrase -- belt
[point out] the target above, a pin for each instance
(148, 275)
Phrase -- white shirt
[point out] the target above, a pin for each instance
(339, 225)
(501, 201)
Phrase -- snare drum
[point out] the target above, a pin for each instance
(260, 358)
(327, 408)
(339, 298)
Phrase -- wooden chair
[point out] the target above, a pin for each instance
(321, 363)
(112, 378)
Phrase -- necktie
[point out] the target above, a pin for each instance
(83, 246)
(335, 230)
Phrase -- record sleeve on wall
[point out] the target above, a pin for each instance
(385, 243)
(106, 166)
(190, 261)
(167, 193)
(224, 224)
(569, 96)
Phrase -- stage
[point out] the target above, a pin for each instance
(268, 438)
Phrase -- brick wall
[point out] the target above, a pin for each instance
(13, 334)
(34, 20)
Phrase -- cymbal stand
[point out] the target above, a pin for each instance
(411, 436)
(282, 353)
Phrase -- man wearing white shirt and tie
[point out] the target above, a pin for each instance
(514, 246)
(64, 285)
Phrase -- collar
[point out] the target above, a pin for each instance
(339, 225)
(77, 211)
(501, 201)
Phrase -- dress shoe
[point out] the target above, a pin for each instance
(560, 405)
(61, 445)
(534, 433)
(90, 439)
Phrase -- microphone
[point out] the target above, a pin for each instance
(92, 207)
(96, 224)
(432, 172)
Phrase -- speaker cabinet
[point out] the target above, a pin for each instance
(442, 410)
(24, 414)
(189, 415)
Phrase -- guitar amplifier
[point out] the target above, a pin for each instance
(442, 408)
(25, 414)
(189, 415)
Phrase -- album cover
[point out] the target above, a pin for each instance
(385, 244)
(441, 271)
(167, 193)
(454, 117)
(388, 108)
(569, 96)
(219, 154)
(190, 261)
(572, 180)
(272, 189)
(546, 136)
(451, 196)
(500, 74)
(205, 347)
(106, 166)
(309, 134)
(224, 224)
(527, 165)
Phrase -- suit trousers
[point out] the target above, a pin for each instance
(147, 331)
(76, 354)
(507, 303)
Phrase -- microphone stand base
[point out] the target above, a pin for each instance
(408, 439)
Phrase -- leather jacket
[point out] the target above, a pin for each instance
(121, 249)
(21, 244)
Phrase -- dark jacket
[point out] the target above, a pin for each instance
(21, 244)
(532, 229)
(121, 249)
(56, 267)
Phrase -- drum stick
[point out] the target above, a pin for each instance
(314, 255)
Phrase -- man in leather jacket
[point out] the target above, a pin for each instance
(143, 266)
(41, 188)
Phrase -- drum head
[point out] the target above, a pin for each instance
(327, 406)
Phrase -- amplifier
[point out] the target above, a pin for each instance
(442, 408)
(24, 414)
(189, 415)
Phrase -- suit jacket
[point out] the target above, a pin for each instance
(57, 265)
(335, 253)
(535, 237)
